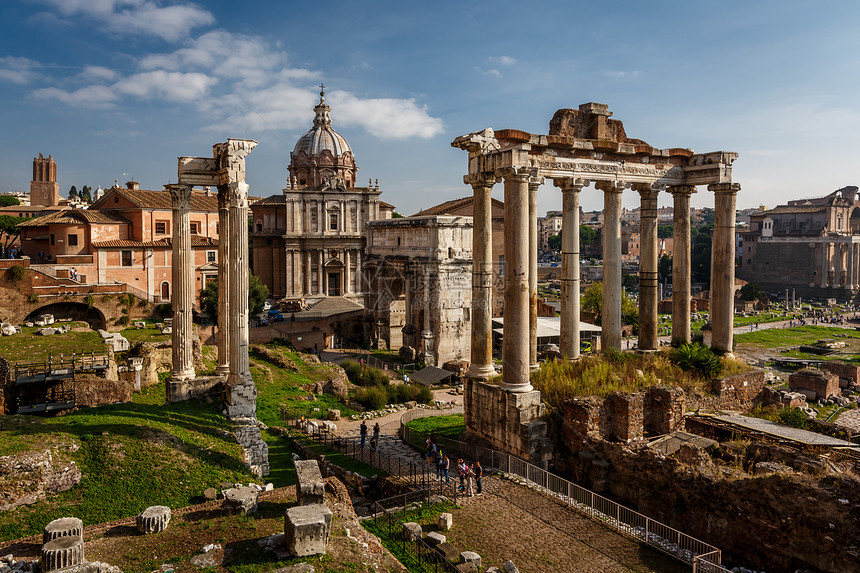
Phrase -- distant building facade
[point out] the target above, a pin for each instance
(810, 245)
(44, 189)
(309, 240)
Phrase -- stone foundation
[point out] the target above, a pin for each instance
(254, 449)
(824, 384)
(739, 392)
(508, 421)
(241, 400)
(199, 387)
(664, 410)
(847, 371)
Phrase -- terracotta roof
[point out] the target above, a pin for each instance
(791, 209)
(448, 206)
(77, 216)
(200, 201)
(273, 200)
(196, 241)
(385, 205)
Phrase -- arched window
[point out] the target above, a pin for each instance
(165, 291)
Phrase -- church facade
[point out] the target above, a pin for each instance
(308, 242)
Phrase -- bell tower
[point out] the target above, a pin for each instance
(44, 189)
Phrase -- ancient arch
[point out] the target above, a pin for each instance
(73, 310)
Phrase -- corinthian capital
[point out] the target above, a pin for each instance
(486, 179)
(682, 189)
(180, 196)
(611, 186)
(238, 194)
(523, 174)
(724, 187)
(570, 183)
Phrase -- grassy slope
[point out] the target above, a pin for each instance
(31, 347)
(451, 426)
(777, 337)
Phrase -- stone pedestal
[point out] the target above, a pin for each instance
(482, 277)
(153, 519)
(412, 531)
(241, 499)
(306, 529)
(63, 527)
(310, 487)
(62, 552)
(723, 266)
(446, 521)
(681, 264)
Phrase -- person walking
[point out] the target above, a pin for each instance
(376, 432)
(479, 473)
(439, 462)
(373, 443)
(446, 465)
(469, 475)
(462, 473)
(363, 432)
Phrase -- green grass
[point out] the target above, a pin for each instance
(343, 460)
(148, 334)
(426, 517)
(451, 426)
(131, 456)
(31, 347)
(781, 337)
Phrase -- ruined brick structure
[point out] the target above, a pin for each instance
(823, 384)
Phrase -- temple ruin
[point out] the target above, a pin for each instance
(225, 170)
(583, 146)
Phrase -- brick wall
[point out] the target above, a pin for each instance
(847, 371)
(739, 392)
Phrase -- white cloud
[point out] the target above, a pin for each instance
(503, 60)
(169, 86)
(18, 70)
(385, 117)
(494, 72)
(621, 75)
(170, 23)
(90, 96)
(98, 73)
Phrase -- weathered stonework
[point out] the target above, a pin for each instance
(153, 519)
(255, 451)
(824, 384)
(664, 410)
(310, 487)
(306, 529)
(849, 372)
(509, 421)
(626, 411)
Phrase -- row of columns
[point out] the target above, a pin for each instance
(233, 270)
(306, 286)
(519, 353)
(840, 264)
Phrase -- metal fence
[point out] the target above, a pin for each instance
(418, 474)
(388, 515)
(704, 557)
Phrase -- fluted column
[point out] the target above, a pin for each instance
(611, 304)
(569, 341)
(515, 345)
(647, 268)
(482, 276)
(534, 183)
(308, 274)
(238, 284)
(224, 268)
(681, 256)
(182, 298)
(347, 289)
(723, 266)
(837, 264)
(849, 254)
(825, 267)
(320, 282)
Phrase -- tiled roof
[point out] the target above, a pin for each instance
(448, 206)
(385, 205)
(200, 200)
(273, 200)
(791, 210)
(196, 241)
(77, 216)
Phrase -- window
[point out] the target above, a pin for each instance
(126, 258)
(195, 228)
(210, 256)
(165, 291)
(52, 238)
(161, 227)
(332, 220)
(73, 240)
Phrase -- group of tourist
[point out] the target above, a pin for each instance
(467, 472)
(374, 441)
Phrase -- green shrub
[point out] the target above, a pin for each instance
(123, 320)
(164, 309)
(425, 395)
(17, 273)
(33, 298)
(698, 358)
(372, 398)
(352, 369)
(90, 300)
(364, 375)
(794, 417)
(106, 298)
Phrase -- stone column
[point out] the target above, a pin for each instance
(183, 285)
(849, 254)
(534, 183)
(320, 271)
(482, 276)
(515, 346)
(223, 367)
(611, 305)
(648, 299)
(825, 267)
(681, 264)
(723, 266)
(837, 264)
(288, 272)
(347, 271)
(570, 302)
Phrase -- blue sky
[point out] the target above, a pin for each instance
(117, 89)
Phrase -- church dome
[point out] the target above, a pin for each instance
(321, 153)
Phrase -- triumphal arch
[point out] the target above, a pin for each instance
(583, 146)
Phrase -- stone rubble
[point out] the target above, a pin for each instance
(306, 529)
(241, 499)
(310, 487)
(153, 519)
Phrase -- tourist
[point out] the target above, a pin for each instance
(461, 471)
(439, 463)
(479, 473)
(373, 444)
(469, 475)
(446, 465)
(363, 432)
(376, 432)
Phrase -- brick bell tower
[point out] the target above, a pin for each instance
(44, 189)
